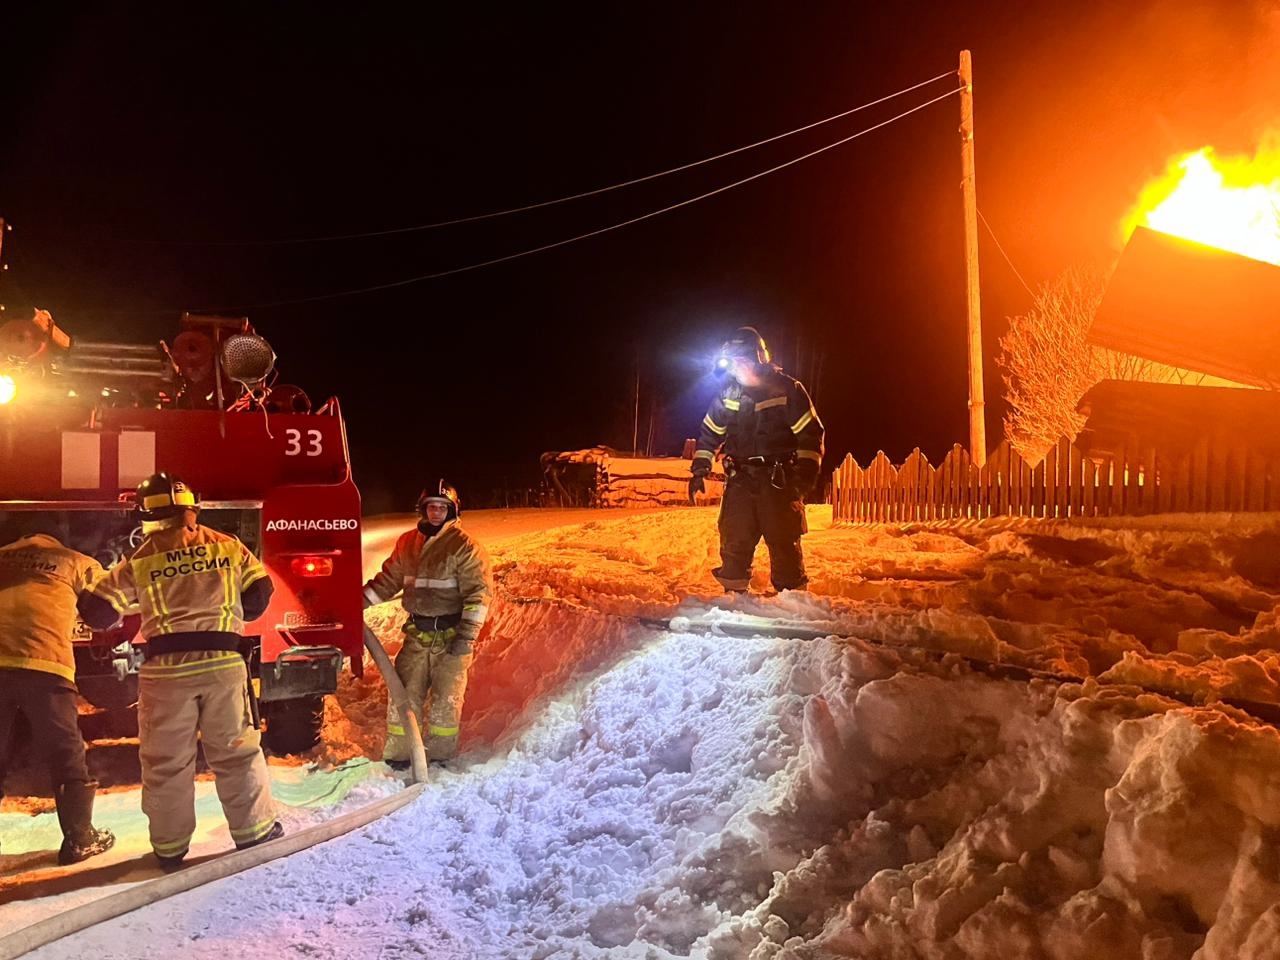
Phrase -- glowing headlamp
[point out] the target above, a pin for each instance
(722, 363)
(8, 389)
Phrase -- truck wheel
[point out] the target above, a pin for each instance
(293, 726)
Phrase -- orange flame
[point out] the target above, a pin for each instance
(1228, 202)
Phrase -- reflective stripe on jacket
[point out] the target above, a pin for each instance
(39, 582)
(183, 580)
(447, 573)
(776, 420)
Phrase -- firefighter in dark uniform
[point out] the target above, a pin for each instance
(40, 580)
(195, 589)
(772, 441)
(445, 581)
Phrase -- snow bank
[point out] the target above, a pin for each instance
(766, 798)
(633, 792)
(979, 818)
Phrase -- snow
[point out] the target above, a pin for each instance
(940, 751)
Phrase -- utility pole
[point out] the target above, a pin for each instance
(3, 266)
(977, 402)
(635, 423)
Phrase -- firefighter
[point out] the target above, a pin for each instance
(40, 580)
(195, 589)
(772, 441)
(446, 581)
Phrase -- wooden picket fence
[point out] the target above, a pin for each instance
(1065, 484)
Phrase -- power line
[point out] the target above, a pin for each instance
(1005, 255)
(601, 230)
(549, 203)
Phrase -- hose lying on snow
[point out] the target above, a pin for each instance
(197, 874)
(72, 921)
(1268, 713)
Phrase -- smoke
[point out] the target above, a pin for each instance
(1219, 60)
(1263, 55)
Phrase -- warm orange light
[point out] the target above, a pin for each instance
(1228, 202)
(8, 389)
(312, 566)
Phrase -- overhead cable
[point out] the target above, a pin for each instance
(1000, 247)
(558, 200)
(606, 229)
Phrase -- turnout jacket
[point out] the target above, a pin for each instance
(775, 420)
(39, 582)
(445, 574)
(194, 587)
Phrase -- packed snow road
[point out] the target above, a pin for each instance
(631, 792)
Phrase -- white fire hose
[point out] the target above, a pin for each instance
(197, 874)
(397, 695)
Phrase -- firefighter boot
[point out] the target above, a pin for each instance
(275, 833)
(81, 840)
(170, 864)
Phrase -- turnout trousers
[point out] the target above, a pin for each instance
(753, 508)
(182, 697)
(435, 682)
(48, 702)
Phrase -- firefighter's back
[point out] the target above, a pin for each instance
(39, 582)
(189, 580)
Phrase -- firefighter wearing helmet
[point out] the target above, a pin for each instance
(772, 440)
(446, 581)
(195, 589)
(40, 580)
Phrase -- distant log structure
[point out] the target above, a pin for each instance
(603, 477)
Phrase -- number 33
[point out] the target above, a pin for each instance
(293, 443)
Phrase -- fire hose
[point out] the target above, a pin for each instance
(148, 892)
(1265, 712)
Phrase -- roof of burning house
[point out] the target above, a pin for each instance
(1195, 307)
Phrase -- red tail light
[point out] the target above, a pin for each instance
(312, 566)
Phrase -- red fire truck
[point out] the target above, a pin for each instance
(82, 423)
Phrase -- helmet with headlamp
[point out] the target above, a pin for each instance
(745, 344)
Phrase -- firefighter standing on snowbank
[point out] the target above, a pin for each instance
(447, 582)
(195, 589)
(40, 580)
(772, 440)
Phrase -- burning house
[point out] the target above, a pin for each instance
(1195, 294)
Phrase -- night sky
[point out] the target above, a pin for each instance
(129, 134)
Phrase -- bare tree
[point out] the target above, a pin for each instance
(1047, 364)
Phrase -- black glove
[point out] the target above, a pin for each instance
(696, 485)
(803, 476)
(460, 645)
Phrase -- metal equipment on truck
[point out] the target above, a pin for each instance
(81, 423)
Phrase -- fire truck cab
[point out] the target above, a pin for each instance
(81, 424)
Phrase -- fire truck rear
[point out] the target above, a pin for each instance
(81, 423)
